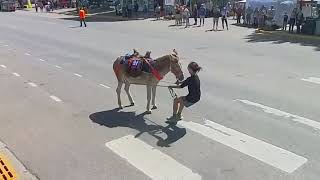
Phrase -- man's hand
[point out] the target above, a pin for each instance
(173, 87)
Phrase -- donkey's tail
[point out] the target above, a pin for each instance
(116, 68)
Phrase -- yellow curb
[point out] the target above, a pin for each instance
(11, 168)
(7, 172)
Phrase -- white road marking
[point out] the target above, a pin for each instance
(16, 74)
(79, 75)
(27, 54)
(59, 67)
(32, 84)
(104, 86)
(312, 80)
(149, 160)
(6, 45)
(55, 98)
(296, 118)
(265, 152)
(3, 66)
(42, 60)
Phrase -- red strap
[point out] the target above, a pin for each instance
(154, 71)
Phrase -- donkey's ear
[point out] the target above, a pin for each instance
(175, 52)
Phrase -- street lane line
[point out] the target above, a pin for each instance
(32, 84)
(3, 66)
(6, 45)
(59, 67)
(260, 150)
(27, 54)
(55, 98)
(149, 160)
(77, 75)
(16, 74)
(312, 80)
(296, 118)
(42, 60)
(104, 86)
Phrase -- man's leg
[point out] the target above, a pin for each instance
(222, 23)
(84, 22)
(175, 105)
(227, 23)
(181, 106)
(80, 22)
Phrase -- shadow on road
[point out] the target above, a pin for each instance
(115, 118)
(284, 37)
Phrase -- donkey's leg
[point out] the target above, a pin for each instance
(127, 89)
(148, 99)
(118, 93)
(154, 91)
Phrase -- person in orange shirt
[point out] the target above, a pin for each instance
(82, 16)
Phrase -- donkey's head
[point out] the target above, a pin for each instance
(175, 65)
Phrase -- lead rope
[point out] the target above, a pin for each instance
(172, 93)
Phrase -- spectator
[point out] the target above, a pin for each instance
(136, 8)
(255, 17)
(36, 6)
(224, 16)
(158, 11)
(202, 14)
(248, 15)
(300, 20)
(292, 20)
(195, 14)
(178, 15)
(264, 15)
(130, 8)
(285, 21)
(238, 12)
(216, 15)
(186, 15)
(145, 10)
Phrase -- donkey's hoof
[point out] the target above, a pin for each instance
(154, 107)
(132, 104)
(148, 112)
(120, 107)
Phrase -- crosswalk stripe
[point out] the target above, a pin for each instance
(260, 150)
(277, 112)
(312, 80)
(148, 159)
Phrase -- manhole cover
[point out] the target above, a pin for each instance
(6, 171)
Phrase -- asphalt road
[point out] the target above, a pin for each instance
(258, 117)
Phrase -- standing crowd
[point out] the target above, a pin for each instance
(183, 14)
(46, 5)
(260, 18)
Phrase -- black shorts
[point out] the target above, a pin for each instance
(186, 103)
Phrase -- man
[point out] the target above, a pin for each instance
(248, 15)
(216, 15)
(202, 14)
(195, 14)
(82, 16)
(300, 19)
(224, 15)
(292, 20)
(285, 21)
(186, 15)
(255, 18)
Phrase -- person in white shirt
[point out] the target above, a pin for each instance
(224, 16)
(186, 14)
